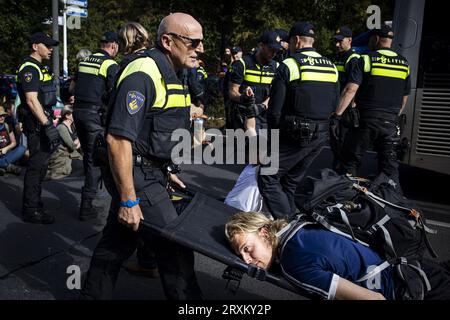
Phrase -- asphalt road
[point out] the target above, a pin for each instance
(34, 259)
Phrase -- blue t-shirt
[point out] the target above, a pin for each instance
(315, 259)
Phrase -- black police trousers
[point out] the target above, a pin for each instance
(88, 124)
(39, 148)
(378, 134)
(175, 262)
(295, 157)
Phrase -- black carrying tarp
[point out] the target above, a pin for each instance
(201, 227)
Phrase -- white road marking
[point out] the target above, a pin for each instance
(438, 223)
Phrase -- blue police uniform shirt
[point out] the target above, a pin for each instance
(126, 122)
(29, 77)
(315, 259)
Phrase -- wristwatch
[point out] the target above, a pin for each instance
(130, 203)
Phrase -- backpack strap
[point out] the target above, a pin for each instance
(396, 263)
(324, 223)
(285, 234)
(378, 269)
(344, 217)
(412, 212)
(382, 202)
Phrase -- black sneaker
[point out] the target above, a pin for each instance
(39, 216)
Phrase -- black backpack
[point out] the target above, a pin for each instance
(375, 214)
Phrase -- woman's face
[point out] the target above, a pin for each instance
(68, 116)
(254, 248)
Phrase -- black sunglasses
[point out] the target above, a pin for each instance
(193, 42)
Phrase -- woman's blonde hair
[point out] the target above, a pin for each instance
(133, 36)
(253, 222)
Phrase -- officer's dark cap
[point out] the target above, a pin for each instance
(385, 31)
(284, 35)
(109, 36)
(302, 29)
(272, 39)
(40, 37)
(236, 49)
(343, 32)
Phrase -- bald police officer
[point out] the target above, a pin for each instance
(150, 102)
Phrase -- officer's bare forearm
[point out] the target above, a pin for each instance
(405, 100)
(346, 97)
(35, 106)
(121, 164)
(234, 92)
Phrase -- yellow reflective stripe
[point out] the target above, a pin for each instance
(366, 63)
(258, 79)
(389, 73)
(89, 64)
(177, 101)
(266, 80)
(340, 68)
(394, 66)
(294, 71)
(104, 67)
(47, 77)
(26, 64)
(243, 63)
(175, 86)
(353, 55)
(148, 66)
(98, 54)
(332, 69)
(89, 70)
(257, 72)
(388, 53)
(253, 71)
(318, 76)
(203, 72)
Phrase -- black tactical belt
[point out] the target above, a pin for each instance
(320, 125)
(145, 162)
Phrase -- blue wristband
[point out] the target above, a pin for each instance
(130, 203)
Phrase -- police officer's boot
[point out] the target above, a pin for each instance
(38, 215)
(87, 209)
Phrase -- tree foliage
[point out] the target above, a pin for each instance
(225, 22)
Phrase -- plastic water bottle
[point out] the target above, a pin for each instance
(198, 131)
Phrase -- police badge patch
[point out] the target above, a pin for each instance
(135, 101)
(28, 76)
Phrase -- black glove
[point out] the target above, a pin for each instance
(335, 126)
(254, 110)
(247, 100)
(52, 135)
